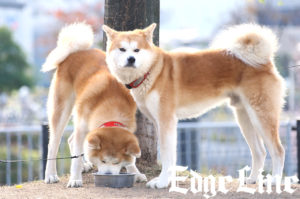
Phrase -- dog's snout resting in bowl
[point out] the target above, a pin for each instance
(169, 86)
(82, 83)
(110, 155)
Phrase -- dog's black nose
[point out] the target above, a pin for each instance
(131, 60)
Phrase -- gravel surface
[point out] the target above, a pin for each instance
(38, 189)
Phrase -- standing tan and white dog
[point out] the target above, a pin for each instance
(168, 86)
(103, 109)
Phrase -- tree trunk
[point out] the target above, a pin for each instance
(124, 15)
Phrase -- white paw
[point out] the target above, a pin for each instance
(87, 166)
(139, 177)
(50, 179)
(158, 183)
(250, 181)
(74, 183)
(273, 182)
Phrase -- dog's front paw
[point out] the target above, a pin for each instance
(158, 183)
(50, 179)
(139, 177)
(87, 166)
(74, 183)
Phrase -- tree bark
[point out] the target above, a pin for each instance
(124, 15)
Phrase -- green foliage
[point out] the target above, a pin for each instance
(14, 68)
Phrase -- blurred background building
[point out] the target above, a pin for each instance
(192, 23)
(34, 25)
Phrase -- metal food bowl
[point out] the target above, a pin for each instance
(114, 181)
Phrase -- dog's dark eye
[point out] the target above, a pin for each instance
(103, 161)
(116, 163)
(136, 50)
(122, 49)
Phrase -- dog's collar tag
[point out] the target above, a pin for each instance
(112, 124)
(136, 83)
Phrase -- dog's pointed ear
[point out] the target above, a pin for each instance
(133, 148)
(110, 33)
(149, 32)
(93, 142)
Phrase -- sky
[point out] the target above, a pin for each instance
(200, 17)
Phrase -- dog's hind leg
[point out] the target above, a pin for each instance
(263, 102)
(254, 141)
(60, 104)
(80, 131)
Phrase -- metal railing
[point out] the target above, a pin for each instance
(207, 147)
(27, 143)
(220, 147)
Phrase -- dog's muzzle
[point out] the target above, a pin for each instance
(130, 62)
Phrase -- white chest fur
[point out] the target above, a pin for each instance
(148, 104)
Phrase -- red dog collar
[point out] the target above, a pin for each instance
(112, 124)
(136, 83)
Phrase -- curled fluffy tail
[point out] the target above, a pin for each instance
(253, 44)
(72, 38)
